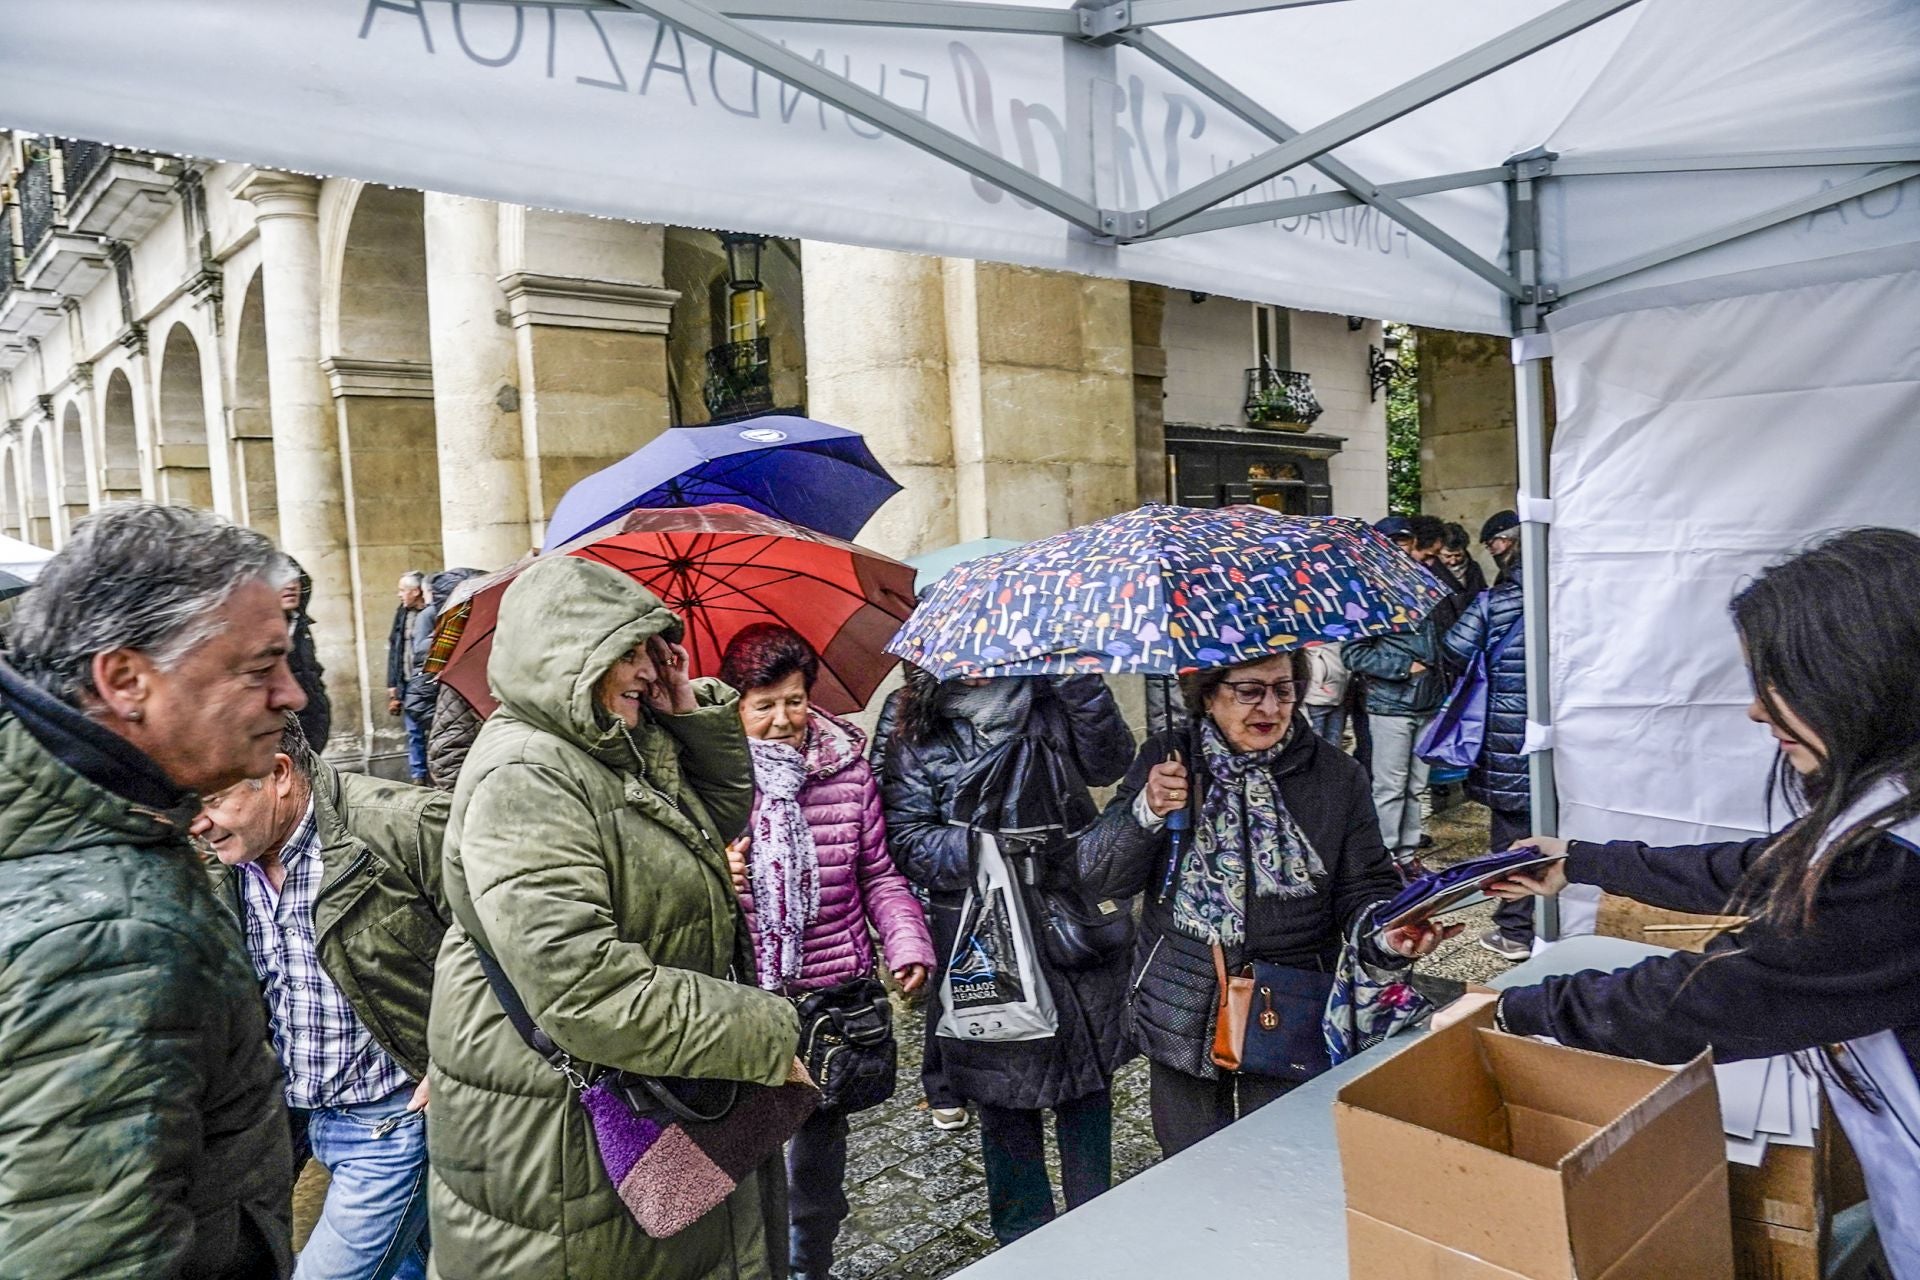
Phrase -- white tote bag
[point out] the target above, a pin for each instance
(994, 989)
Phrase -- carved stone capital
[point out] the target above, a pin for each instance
(394, 379)
(274, 194)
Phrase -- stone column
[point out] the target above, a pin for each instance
(1469, 465)
(306, 442)
(877, 362)
(476, 393)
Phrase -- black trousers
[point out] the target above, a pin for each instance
(1187, 1108)
(1013, 1142)
(933, 1080)
(816, 1191)
(1513, 919)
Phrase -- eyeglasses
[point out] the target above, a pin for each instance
(1251, 693)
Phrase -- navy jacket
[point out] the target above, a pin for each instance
(1755, 992)
(1499, 777)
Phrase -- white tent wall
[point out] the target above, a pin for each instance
(1705, 431)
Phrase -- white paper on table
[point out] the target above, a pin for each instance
(1747, 1151)
(1742, 1086)
(1805, 1099)
(1776, 1101)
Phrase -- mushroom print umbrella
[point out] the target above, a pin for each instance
(811, 473)
(723, 568)
(1165, 590)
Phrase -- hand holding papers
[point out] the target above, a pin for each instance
(1466, 883)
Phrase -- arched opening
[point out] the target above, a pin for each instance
(383, 391)
(181, 442)
(39, 509)
(74, 499)
(251, 418)
(120, 467)
(10, 500)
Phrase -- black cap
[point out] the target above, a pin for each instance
(1500, 524)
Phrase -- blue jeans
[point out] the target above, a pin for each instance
(816, 1191)
(1329, 722)
(1014, 1144)
(416, 744)
(374, 1223)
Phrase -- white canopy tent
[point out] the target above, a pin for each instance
(1459, 165)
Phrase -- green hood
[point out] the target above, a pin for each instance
(563, 623)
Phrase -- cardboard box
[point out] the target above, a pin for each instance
(1475, 1155)
(1783, 1209)
(1657, 927)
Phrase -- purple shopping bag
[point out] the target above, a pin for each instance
(1455, 735)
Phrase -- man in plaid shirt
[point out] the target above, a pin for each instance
(335, 879)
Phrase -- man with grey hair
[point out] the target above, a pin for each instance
(403, 665)
(142, 1130)
(335, 879)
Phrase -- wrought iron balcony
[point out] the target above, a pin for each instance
(1280, 398)
(739, 379)
(81, 160)
(38, 205)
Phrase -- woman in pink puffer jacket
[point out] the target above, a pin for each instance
(813, 872)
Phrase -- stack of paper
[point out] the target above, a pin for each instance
(1764, 1100)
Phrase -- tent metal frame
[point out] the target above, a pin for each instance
(1206, 206)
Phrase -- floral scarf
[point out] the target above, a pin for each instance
(783, 867)
(1243, 828)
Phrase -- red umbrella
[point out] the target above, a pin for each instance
(723, 568)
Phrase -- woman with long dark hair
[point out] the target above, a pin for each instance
(1827, 960)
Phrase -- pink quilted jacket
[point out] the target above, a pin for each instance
(858, 881)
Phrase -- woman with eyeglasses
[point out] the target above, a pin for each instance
(1278, 857)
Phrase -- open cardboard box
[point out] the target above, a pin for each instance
(1475, 1155)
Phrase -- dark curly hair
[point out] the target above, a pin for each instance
(767, 653)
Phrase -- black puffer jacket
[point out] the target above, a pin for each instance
(1079, 718)
(316, 718)
(1174, 988)
(1499, 777)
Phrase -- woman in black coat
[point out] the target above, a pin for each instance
(940, 733)
(1282, 857)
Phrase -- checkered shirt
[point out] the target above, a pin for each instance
(330, 1058)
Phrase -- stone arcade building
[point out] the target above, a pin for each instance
(384, 379)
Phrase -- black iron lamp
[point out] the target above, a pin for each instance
(743, 259)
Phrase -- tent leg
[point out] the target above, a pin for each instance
(1530, 421)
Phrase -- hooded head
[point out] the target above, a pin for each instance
(563, 623)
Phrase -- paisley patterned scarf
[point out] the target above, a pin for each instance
(1244, 827)
(783, 867)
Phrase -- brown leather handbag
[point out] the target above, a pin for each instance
(1230, 1021)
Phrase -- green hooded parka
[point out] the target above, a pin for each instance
(612, 913)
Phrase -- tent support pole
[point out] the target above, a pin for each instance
(1529, 37)
(1530, 430)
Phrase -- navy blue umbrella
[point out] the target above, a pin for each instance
(808, 473)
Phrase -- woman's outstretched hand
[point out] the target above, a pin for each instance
(1416, 940)
(1540, 882)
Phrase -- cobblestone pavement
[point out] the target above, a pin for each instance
(918, 1196)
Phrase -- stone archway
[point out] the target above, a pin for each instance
(120, 440)
(180, 461)
(74, 500)
(251, 418)
(39, 522)
(11, 504)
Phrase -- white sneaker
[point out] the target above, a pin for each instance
(1503, 946)
(949, 1119)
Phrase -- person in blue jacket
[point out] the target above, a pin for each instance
(1492, 625)
(1826, 963)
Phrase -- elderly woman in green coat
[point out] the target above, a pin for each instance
(586, 853)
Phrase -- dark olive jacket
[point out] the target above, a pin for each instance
(380, 914)
(143, 1132)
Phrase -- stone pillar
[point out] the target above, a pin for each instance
(877, 362)
(1149, 311)
(1040, 372)
(306, 442)
(1469, 464)
(590, 313)
(476, 391)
